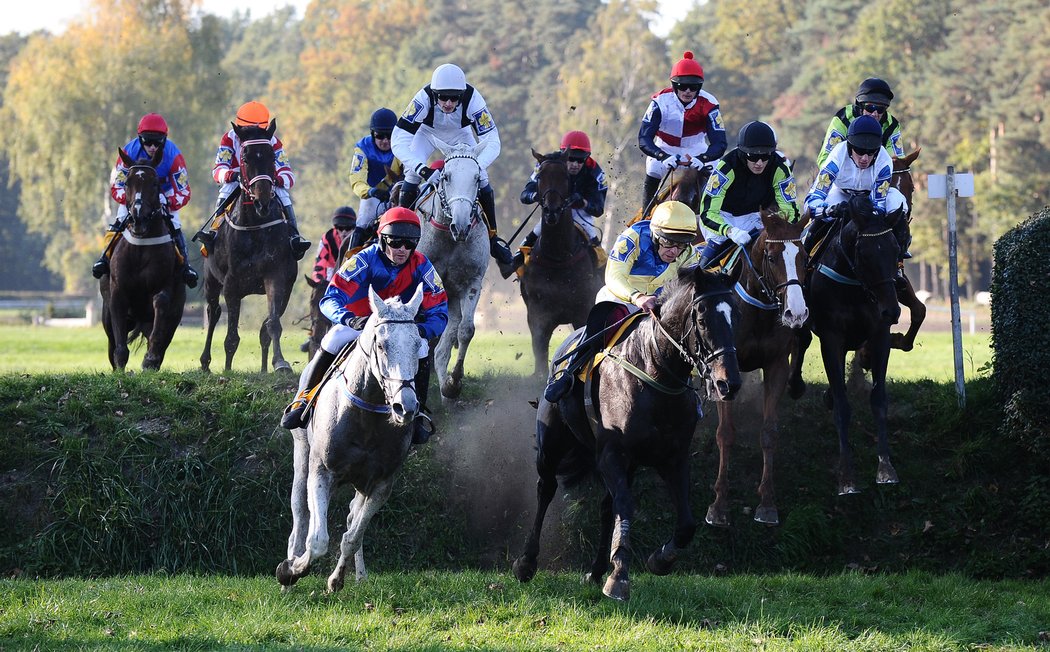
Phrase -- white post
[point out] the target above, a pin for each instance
(953, 285)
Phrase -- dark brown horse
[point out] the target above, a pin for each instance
(638, 409)
(902, 181)
(772, 308)
(561, 279)
(251, 254)
(683, 184)
(143, 292)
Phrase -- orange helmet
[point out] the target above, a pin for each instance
(153, 122)
(576, 140)
(399, 222)
(687, 70)
(253, 114)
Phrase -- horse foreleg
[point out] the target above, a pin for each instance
(540, 328)
(614, 472)
(318, 494)
(774, 381)
(676, 476)
(796, 385)
(880, 353)
(600, 566)
(443, 350)
(214, 311)
(555, 440)
(233, 319)
(355, 533)
(834, 354)
(336, 579)
(917, 311)
(118, 315)
(718, 511)
(300, 510)
(164, 323)
(278, 302)
(464, 335)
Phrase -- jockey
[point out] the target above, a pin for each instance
(860, 163)
(174, 186)
(392, 267)
(454, 111)
(343, 220)
(645, 257)
(682, 127)
(751, 177)
(226, 172)
(587, 188)
(373, 171)
(873, 99)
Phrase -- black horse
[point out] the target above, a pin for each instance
(143, 291)
(639, 410)
(560, 281)
(853, 304)
(251, 254)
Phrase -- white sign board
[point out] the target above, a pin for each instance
(938, 184)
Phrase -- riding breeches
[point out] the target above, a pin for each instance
(369, 211)
(750, 222)
(226, 189)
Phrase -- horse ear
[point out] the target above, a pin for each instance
(124, 157)
(417, 298)
(479, 148)
(374, 300)
(272, 129)
(536, 155)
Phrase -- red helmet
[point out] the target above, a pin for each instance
(153, 122)
(576, 140)
(399, 222)
(687, 70)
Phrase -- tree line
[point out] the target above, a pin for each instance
(970, 80)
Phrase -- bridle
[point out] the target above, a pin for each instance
(135, 206)
(248, 183)
(852, 278)
(552, 213)
(375, 368)
(445, 202)
(772, 295)
(705, 354)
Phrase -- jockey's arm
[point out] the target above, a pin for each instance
(784, 191)
(722, 178)
(359, 174)
(285, 176)
(435, 302)
(835, 134)
(177, 185)
(716, 137)
(618, 280)
(595, 192)
(117, 178)
(225, 161)
(485, 127)
(647, 133)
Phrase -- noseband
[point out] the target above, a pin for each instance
(446, 202)
(771, 294)
(701, 359)
(375, 369)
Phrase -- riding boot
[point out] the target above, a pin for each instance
(409, 194)
(652, 184)
(423, 426)
(712, 252)
(101, 266)
(498, 248)
(519, 256)
(356, 239)
(189, 276)
(300, 245)
(816, 232)
(206, 236)
(308, 382)
(561, 384)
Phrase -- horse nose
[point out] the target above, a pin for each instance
(795, 319)
(726, 390)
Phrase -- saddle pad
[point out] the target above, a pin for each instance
(621, 333)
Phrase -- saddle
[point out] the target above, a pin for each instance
(611, 339)
(599, 257)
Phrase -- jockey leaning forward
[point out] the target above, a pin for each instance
(373, 172)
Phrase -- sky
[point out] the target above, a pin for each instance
(26, 17)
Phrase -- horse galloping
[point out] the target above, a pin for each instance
(643, 412)
(143, 291)
(560, 281)
(359, 434)
(455, 240)
(772, 308)
(251, 255)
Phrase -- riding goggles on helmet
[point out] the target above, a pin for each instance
(686, 86)
(576, 157)
(381, 135)
(668, 243)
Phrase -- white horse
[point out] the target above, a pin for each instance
(456, 241)
(360, 434)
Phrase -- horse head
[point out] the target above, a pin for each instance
(143, 194)
(552, 185)
(871, 251)
(901, 178)
(457, 186)
(392, 343)
(258, 166)
(780, 262)
(687, 186)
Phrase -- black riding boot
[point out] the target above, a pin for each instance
(816, 231)
(189, 275)
(712, 252)
(308, 381)
(299, 244)
(561, 384)
(649, 189)
(409, 194)
(423, 426)
(498, 248)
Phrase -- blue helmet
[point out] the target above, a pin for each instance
(383, 120)
(865, 132)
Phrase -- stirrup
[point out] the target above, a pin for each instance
(422, 428)
(206, 238)
(294, 414)
(500, 250)
(300, 246)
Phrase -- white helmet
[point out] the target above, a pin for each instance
(448, 77)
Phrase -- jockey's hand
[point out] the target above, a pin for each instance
(838, 211)
(645, 301)
(354, 322)
(380, 194)
(576, 200)
(698, 163)
(424, 171)
(738, 236)
(671, 163)
(232, 176)
(528, 196)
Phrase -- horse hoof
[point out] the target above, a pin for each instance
(716, 517)
(284, 573)
(767, 516)
(335, 584)
(886, 474)
(591, 578)
(617, 589)
(282, 367)
(848, 490)
(660, 564)
(451, 389)
(524, 570)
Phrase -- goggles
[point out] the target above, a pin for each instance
(576, 157)
(686, 86)
(668, 243)
(152, 141)
(873, 108)
(449, 97)
(400, 243)
(381, 135)
(863, 152)
(758, 156)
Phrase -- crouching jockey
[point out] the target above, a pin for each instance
(391, 267)
(226, 172)
(645, 257)
(174, 185)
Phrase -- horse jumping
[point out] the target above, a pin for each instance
(251, 255)
(560, 281)
(359, 434)
(143, 291)
(772, 308)
(642, 411)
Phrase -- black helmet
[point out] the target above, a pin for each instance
(874, 90)
(756, 138)
(383, 120)
(344, 217)
(865, 132)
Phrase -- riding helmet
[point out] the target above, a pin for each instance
(874, 90)
(576, 140)
(383, 120)
(448, 77)
(756, 138)
(688, 70)
(153, 122)
(253, 114)
(675, 221)
(344, 217)
(399, 222)
(864, 132)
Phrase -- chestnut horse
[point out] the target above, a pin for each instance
(683, 184)
(902, 181)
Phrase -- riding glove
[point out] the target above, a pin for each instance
(379, 193)
(838, 211)
(354, 322)
(231, 176)
(738, 236)
(424, 171)
(576, 200)
(528, 196)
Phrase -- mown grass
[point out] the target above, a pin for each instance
(473, 610)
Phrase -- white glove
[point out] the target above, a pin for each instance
(696, 163)
(671, 163)
(738, 236)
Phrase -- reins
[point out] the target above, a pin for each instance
(769, 293)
